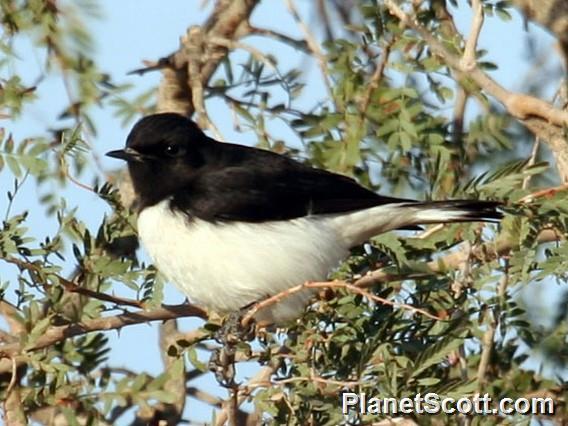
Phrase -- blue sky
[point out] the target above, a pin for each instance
(132, 30)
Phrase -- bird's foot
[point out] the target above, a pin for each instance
(233, 330)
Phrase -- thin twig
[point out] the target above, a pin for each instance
(203, 396)
(312, 44)
(458, 115)
(469, 60)
(458, 166)
(531, 162)
(13, 376)
(313, 377)
(488, 337)
(430, 231)
(536, 143)
(255, 53)
(375, 78)
(330, 284)
(547, 192)
(297, 44)
(77, 182)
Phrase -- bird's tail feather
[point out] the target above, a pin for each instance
(429, 212)
(357, 227)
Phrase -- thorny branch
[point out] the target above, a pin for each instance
(72, 287)
(58, 333)
(483, 253)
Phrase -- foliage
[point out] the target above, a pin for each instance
(384, 121)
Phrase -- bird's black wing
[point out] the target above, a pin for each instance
(256, 186)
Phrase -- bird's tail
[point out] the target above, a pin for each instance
(429, 212)
(358, 226)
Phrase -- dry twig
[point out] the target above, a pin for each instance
(328, 284)
(312, 44)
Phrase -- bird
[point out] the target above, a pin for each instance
(231, 225)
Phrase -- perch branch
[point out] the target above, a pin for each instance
(330, 284)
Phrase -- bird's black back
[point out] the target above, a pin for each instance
(253, 185)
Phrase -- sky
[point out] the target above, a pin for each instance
(130, 31)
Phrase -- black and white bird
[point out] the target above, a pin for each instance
(230, 225)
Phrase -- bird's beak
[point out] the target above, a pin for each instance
(126, 154)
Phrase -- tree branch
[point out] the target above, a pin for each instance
(261, 379)
(247, 318)
(72, 287)
(518, 105)
(193, 64)
(375, 78)
(540, 117)
(451, 261)
(59, 333)
(469, 58)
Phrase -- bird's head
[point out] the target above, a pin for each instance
(163, 153)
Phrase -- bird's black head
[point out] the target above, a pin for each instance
(163, 151)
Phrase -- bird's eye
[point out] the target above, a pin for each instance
(174, 150)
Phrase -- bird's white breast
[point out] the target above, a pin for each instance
(225, 266)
